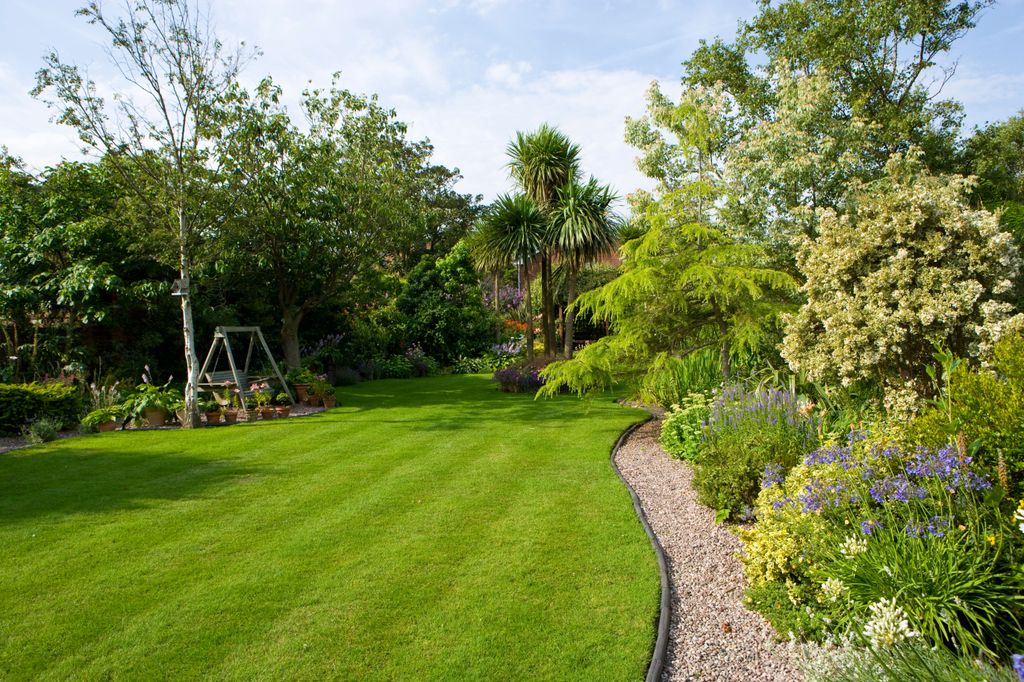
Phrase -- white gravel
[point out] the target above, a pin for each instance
(712, 635)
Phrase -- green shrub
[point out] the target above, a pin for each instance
(868, 526)
(669, 379)
(43, 430)
(747, 432)
(21, 404)
(394, 367)
(444, 309)
(987, 407)
(103, 415)
(683, 428)
(784, 606)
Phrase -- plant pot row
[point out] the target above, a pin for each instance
(231, 416)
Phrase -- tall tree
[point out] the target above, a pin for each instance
(541, 162)
(686, 284)
(883, 55)
(320, 210)
(511, 231)
(158, 128)
(582, 228)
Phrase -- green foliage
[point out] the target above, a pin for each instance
(747, 433)
(686, 285)
(783, 606)
(910, 266)
(956, 589)
(984, 407)
(995, 155)
(669, 380)
(321, 389)
(323, 211)
(103, 415)
(22, 404)
(911, 662)
(444, 310)
(683, 428)
(801, 159)
(42, 430)
(393, 367)
(870, 527)
(149, 396)
(879, 54)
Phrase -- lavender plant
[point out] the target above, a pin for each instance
(747, 431)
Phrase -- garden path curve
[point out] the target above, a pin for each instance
(712, 636)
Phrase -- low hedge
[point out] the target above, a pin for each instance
(21, 404)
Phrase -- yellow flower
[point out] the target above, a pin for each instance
(991, 540)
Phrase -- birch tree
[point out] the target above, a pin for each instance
(156, 127)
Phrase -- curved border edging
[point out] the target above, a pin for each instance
(660, 653)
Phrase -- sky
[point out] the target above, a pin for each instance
(467, 74)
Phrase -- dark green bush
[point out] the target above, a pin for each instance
(21, 404)
(444, 309)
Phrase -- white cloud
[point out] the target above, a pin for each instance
(471, 128)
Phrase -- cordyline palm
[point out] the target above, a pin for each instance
(581, 228)
(512, 229)
(541, 162)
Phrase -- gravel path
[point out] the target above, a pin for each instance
(712, 635)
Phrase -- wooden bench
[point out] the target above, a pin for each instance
(215, 380)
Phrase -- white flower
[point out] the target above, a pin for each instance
(833, 589)
(1018, 516)
(888, 624)
(853, 545)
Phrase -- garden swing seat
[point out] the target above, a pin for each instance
(211, 379)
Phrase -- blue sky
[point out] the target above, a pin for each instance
(469, 73)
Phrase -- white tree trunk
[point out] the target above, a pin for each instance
(191, 361)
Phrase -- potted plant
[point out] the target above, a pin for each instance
(230, 402)
(283, 404)
(301, 379)
(262, 394)
(211, 410)
(150, 401)
(324, 393)
(104, 418)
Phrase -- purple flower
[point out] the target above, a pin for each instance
(868, 527)
(1018, 665)
(772, 475)
(896, 489)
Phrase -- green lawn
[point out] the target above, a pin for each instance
(426, 529)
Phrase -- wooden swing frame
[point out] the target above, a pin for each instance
(241, 379)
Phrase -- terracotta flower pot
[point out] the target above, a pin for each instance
(230, 416)
(267, 412)
(283, 411)
(329, 401)
(106, 426)
(213, 417)
(312, 400)
(155, 416)
(302, 390)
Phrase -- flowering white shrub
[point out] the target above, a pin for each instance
(909, 265)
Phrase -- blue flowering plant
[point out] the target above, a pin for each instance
(918, 528)
(747, 431)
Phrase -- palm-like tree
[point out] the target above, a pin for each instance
(541, 162)
(512, 230)
(581, 228)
